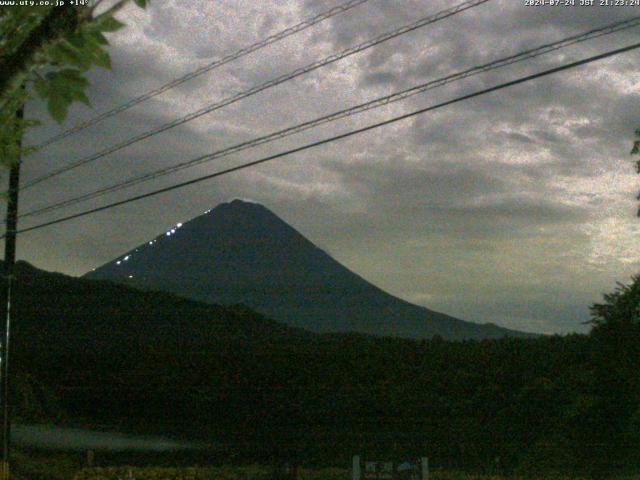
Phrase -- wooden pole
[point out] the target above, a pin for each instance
(355, 468)
(424, 468)
(9, 263)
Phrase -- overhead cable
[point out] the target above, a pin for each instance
(335, 138)
(259, 88)
(369, 105)
(287, 32)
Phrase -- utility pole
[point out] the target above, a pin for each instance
(9, 263)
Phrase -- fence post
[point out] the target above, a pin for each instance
(424, 466)
(90, 458)
(355, 468)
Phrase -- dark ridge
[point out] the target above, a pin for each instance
(241, 252)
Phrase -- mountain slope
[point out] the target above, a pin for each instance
(156, 364)
(65, 315)
(241, 252)
(97, 352)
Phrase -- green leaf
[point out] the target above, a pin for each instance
(92, 48)
(71, 77)
(64, 52)
(100, 38)
(61, 89)
(102, 59)
(82, 97)
(108, 24)
(93, 32)
(58, 106)
(41, 87)
(141, 3)
(76, 40)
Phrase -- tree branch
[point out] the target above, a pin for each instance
(56, 24)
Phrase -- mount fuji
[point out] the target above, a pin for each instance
(242, 253)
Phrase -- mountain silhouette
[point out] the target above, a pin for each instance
(242, 253)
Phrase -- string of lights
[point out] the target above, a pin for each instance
(264, 86)
(287, 32)
(335, 138)
(372, 104)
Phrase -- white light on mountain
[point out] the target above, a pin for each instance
(179, 225)
(127, 257)
(173, 230)
(168, 234)
(130, 276)
(118, 262)
(150, 243)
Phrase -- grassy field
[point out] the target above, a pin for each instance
(69, 467)
(257, 473)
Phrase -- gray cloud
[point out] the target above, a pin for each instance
(515, 207)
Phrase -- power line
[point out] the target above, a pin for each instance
(336, 137)
(378, 102)
(207, 68)
(264, 86)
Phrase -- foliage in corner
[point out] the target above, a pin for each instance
(612, 423)
(635, 151)
(46, 51)
(620, 308)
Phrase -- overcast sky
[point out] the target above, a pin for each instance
(517, 207)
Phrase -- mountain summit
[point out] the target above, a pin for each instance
(241, 252)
